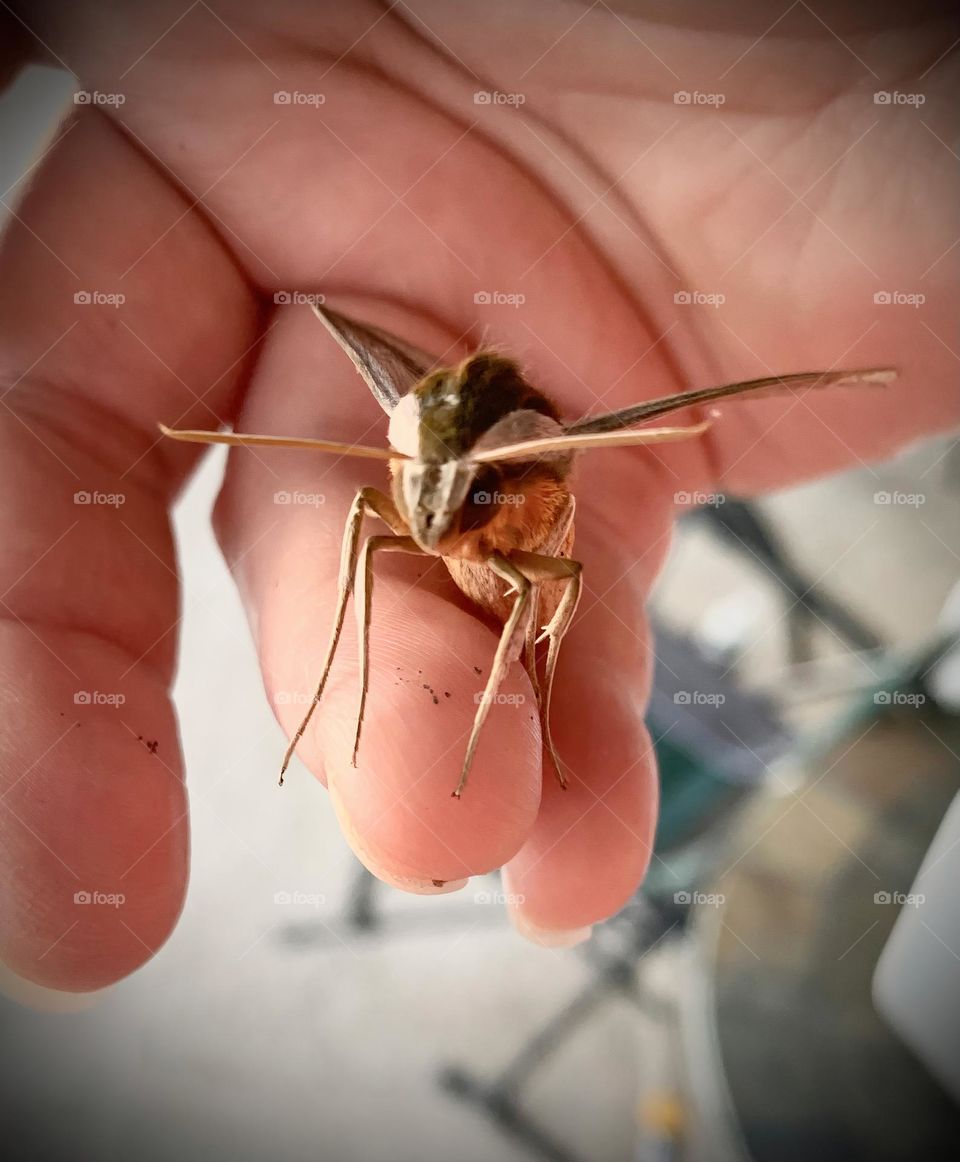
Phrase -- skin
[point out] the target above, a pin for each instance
(299, 197)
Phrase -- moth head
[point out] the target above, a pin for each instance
(448, 416)
(442, 501)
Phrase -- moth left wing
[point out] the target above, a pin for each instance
(388, 366)
(768, 386)
(612, 429)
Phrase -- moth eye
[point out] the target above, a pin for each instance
(482, 500)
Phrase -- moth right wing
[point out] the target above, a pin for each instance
(389, 366)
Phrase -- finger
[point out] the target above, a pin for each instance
(93, 830)
(590, 846)
(430, 651)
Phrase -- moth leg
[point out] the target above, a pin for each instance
(538, 568)
(550, 548)
(384, 544)
(505, 652)
(530, 645)
(367, 502)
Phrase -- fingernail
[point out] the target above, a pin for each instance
(552, 937)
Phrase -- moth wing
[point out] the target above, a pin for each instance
(389, 366)
(772, 385)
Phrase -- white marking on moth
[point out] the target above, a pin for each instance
(449, 478)
(404, 430)
(410, 478)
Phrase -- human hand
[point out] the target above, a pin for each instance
(401, 199)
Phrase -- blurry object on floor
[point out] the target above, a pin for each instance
(943, 678)
(785, 1037)
(744, 528)
(714, 743)
(916, 987)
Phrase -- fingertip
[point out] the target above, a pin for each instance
(45, 1000)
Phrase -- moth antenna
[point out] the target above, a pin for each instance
(572, 442)
(248, 440)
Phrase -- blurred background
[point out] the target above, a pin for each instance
(785, 986)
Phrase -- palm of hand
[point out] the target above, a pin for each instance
(203, 196)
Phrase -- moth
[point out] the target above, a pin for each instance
(480, 462)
